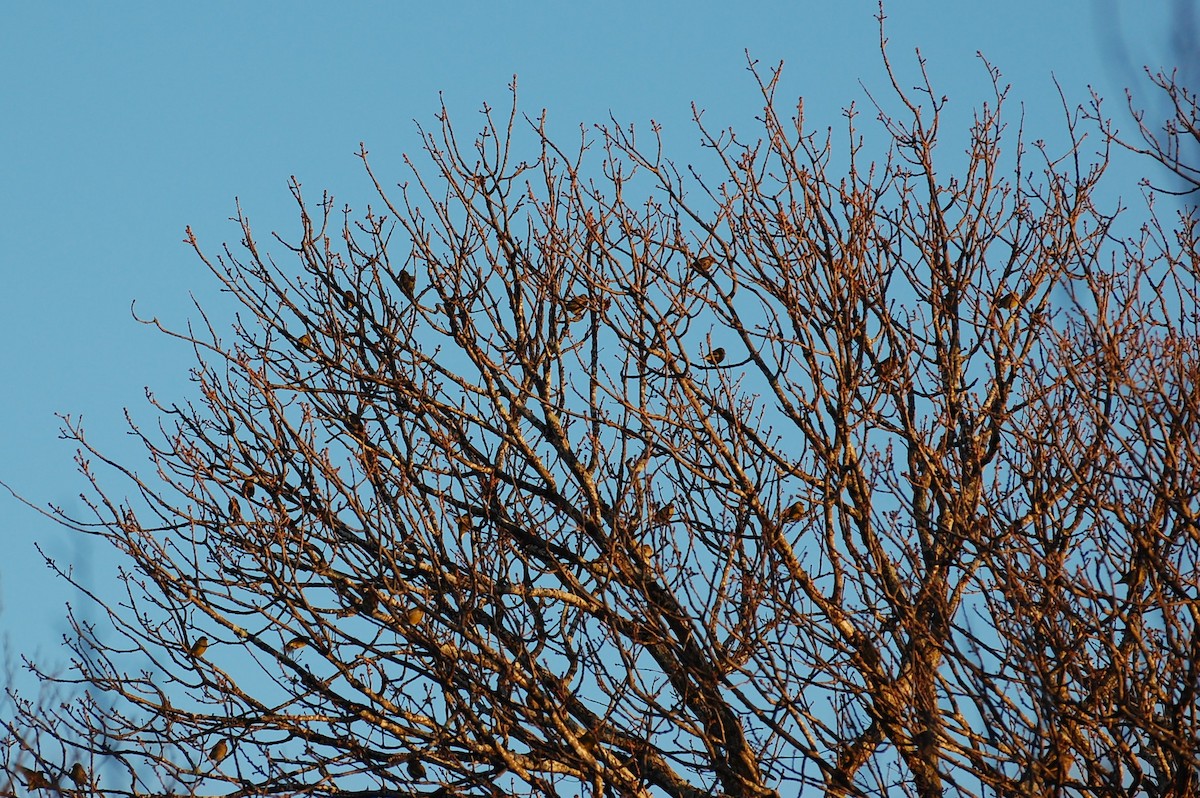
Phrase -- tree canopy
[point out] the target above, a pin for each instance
(573, 470)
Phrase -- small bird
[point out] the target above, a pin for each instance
(78, 774)
(415, 767)
(248, 488)
(414, 616)
(199, 647)
(716, 356)
(219, 751)
(888, 367)
(407, 283)
(793, 513)
(464, 525)
(348, 299)
(704, 264)
(235, 510)
(304, 341)
(576, 306)
(34, 779)
(295, 644)
(1137, 572)
(1008, 301)
(663, 514)
(368, 602)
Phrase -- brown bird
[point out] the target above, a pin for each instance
(464, 525)
(716, 356)
(235, 510)
(888, 367)
(414, 616)
(407, 283)
(304, 341)
(295, 644)
(793, 513)
(248, 488)
(348, 299)
(576, 306)
(78, 774)
(34, 779)
(663, 514)
(704, 264)
(1008, 301)
(219, 751)
(415, 767)
(199, 647)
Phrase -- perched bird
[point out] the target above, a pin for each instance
(78, 774)
(1008, 301)
(415, 767)
(219, 751)
(793, 513)
(704, 264)
(348, 299)
(295, 644)
(716, 356)
(663, 514)
(576, 306)
(464, 525)
(304, 341)
(235, 510)
(414, 616)
(248, 488)
(407, 283)
(1137, 573)
(368, 602)
(34, 779)
(888, 367)
(199, 647)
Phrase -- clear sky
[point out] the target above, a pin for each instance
(120, 123)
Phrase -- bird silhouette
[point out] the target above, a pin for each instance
(407, 283)
(415, 767)
(295, 644)
(34, 779)
(304, 341)
(78, 774)
(663, 514)
(704, 264)
(219, 751)
(576, 307)
(348, 299)
(793, 513)
(248, 488)
(199, 647)
(888, 367)
(716, 356)
(368, 602)
(1008, 301)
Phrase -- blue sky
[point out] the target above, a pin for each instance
(122, 123)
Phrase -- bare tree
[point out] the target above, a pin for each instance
(570, 471)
